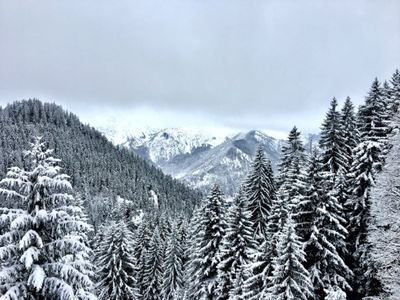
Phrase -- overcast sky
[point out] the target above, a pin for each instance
(226, 64)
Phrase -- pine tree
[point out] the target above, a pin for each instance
(292, 180)
(290, 280)
(262, 202)
(172, 282)
(332, 143)
(394, 102)
(326, 245)
(308, 201)
(237, 244)
(293, 156)
(142, 237)
(193, 251)
(43, 250)
(358, 207)
(211, 232)
(115, 264)
(350, 132)
(260, 193)
(373, 118)
(153, 272)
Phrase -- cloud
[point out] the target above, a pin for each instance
(241, 63)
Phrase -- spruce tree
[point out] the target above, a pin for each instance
(373, 118)
(153, 262)
(211, 231)
(260, 268)
(326, 244)
(43, 248)
(172, 282)
(293, 155)
(292, 180)
(236, 248)
(358, 207)
(351, 136)
(116, 263)
(332, 143)
(260, 193)
(290, 280)
(394, 102)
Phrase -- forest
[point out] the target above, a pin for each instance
(83, 219)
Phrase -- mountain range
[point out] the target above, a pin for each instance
(201, 160)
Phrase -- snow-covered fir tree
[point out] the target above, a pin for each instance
(292, 181)
(373, 118)
(260, 193)
(293, 155)
(332, 142)
(290, 280)
(142, 237)
(260, 268)
(172, 280)
(358, 208)
(192, 251)
(394, 101)
(153, 272)
(43, 246)
(237, 246)
(351, 136)
(211, 231)
(116, 264)
(308, 201)
(326, 246)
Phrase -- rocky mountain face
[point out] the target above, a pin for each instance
(202, 160)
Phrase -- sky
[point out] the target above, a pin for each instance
(222, 65)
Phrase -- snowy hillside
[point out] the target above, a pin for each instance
(201, 159)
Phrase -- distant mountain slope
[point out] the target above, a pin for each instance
(202, 161)
(95, 164)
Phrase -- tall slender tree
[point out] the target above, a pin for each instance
(172, 282)
(116, 263)
(351, 135)
(373, 117)
(290, 280)
(153, 261)
(362, 174)
(332, 143)
(211, 232)
(236, 248)
(260, 193)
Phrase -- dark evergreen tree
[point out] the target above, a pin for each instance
(362, 174)
(260, 193)
(373, 117)
(172, 282)
(115, 264)
(237, 246)
(332, 142)
(394, 102)
(351, 136)
(211, 231)
(271, 208)
(153, 262)
(293, 154)
(290, 280)
(326, 244)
